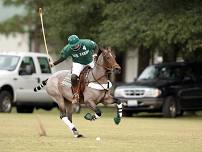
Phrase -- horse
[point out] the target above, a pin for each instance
(96, 90)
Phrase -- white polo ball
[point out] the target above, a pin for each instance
(98, 138)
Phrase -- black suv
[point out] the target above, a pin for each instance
(170, 88)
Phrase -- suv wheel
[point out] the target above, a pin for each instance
(170, 107)
(126, 113)
(5, 101)
(180, 113)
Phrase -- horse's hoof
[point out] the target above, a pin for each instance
(79, 136)
(117, 120)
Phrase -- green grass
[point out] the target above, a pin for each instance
(153, 133)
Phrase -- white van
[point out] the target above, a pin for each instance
(19, 74)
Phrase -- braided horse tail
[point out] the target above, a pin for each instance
(39, 87)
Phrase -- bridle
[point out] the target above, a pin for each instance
(104, 54)
(104, 64)
(106, 74)
(106, 67)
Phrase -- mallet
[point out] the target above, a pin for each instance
(44, 37)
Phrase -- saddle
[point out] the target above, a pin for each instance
(82, 82)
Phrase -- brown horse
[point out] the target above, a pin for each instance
(96, 90)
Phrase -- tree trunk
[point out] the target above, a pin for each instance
(170, 55)
(36, 38)
(143, 59)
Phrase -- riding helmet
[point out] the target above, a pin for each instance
(73, 40)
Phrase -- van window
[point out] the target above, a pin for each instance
(44, 65)
(8, 62)
(28, 61)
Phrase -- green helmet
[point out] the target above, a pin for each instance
(73, 40)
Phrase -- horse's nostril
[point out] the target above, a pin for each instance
(117, 70)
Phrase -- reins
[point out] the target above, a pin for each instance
(106, 66)
(105, 75)
(97, 80)
(105, 90)
(102, 65)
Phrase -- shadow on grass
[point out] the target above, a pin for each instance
(191, 114)
(111, 111)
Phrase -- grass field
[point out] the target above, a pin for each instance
(153, 133)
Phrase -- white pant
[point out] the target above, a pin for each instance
(77, 67)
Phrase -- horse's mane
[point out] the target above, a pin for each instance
(100, 50)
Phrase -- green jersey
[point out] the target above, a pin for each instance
(84, 55)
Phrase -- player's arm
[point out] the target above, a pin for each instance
(96, 50)
(63, 55)
(61, 59)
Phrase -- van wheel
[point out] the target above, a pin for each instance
(170, 107)
(24, 109)
(5, 101)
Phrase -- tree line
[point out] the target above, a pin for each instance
(170, 27)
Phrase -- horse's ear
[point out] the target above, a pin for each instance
(109, 48)
(99, 51)
(112, 51)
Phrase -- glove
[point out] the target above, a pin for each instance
(95, 57)
(51, 64)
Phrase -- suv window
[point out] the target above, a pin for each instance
(44, 65)
(196, 67)
(179, 72)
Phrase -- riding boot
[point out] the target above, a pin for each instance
(75, 88)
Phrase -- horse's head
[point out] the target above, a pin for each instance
(108, 61)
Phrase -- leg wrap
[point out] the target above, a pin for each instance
(71, 126)
(62, 115)
(68, 123)
(91, 117)
(98, 112)
(119, 109)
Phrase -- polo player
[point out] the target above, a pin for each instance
(93, 94)
(82, 52)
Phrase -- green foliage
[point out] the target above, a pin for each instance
(26, 21)
(156, 24)
(12, 25)
(78, 17)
